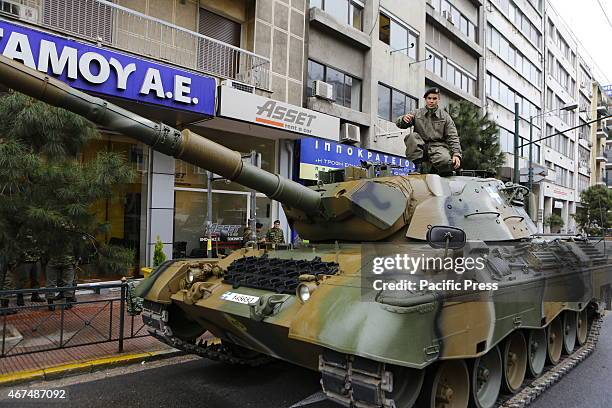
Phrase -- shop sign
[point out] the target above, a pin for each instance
(321, 155)
(253, 108)
(607, 90)
(107, 72)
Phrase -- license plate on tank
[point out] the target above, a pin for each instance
(239, 298)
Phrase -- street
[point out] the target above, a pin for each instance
(187, 381)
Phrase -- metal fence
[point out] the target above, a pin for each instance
(110, 24)
(94, 319)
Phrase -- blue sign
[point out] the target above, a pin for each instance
(607, 89)
(320, 155)
(108, 72)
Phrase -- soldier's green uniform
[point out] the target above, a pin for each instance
(275, 236)
(246, 236)
(434, 131)
(60, 273)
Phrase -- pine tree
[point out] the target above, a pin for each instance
(594, 213)
(479, 137)
(45, 191)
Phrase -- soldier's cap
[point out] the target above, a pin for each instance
(276, 222)
(258, 225)
(432, 91)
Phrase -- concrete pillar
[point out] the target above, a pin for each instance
(565, 216)
(161, 204)
(548, 205)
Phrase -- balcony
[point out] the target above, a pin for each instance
(112, 25)
(601, 159)
(602, 110)
(603, 132)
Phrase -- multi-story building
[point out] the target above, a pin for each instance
(560, 153)
(381, 55)
(599, 135)
(515, 75)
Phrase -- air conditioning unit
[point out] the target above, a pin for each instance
(28, 13)
(19, 10)
(238, 85)
(447, 15)
(350, 133)
(323, 90)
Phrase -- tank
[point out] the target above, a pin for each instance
(316, 305)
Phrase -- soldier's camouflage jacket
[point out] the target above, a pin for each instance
(437, 126)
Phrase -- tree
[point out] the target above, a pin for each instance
(596, 205)
(479, 137)
(46, 193)
(158, 255)
(554, 220)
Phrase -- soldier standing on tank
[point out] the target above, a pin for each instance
(434, 139)
(275, 234)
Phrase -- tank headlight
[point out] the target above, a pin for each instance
(304, 291)
(190, 277)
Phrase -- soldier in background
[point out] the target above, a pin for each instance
(61, 273)
(29, 269)
(275, 234)
(246, 236)
(6, 283)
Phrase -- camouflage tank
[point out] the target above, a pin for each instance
(312, 305)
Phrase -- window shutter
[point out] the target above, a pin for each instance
(220, 28)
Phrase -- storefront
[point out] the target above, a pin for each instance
(245, 122)
(156, 91)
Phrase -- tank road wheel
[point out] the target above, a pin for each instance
(407, 383)
(536, 348)
(554, 339)
(486, 378)
(569, 331)
(448, 386)
(515, 361)
(582, 327)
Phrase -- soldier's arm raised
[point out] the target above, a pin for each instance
(406, 120)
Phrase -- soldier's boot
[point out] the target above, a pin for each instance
(69, 301)
(36, 298)
(59, 296)
(20, 301)
(4, 307)
(418, 166)
(50, 303)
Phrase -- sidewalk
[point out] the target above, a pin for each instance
(33, 337)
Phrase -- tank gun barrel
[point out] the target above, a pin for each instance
(184, 145)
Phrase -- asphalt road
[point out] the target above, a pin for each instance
(190, 381)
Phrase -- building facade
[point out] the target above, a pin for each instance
(307, 85)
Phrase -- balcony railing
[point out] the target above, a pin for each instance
(120, 27)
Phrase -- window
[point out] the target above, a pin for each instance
(513, 57)
(458, 19)
(347, 89)
(521, 21)
(393, 103)
(462, 80)
(506, 96)
(433, 62)
(549, 98)
(345, 11)
(398, 36)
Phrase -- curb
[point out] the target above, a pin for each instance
(65, 370)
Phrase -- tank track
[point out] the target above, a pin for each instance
(531, 390)
(156, 321)
(342, 386)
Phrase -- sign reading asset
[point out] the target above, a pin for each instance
(107, 72)
(320, 155)
(264, 111)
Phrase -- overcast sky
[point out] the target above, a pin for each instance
(593, 33)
